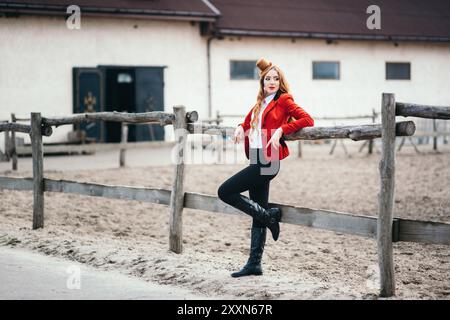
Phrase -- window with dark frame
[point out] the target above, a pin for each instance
(326, 70)
(398, 71)
(241, 70)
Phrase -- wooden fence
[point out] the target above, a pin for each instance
(13, 150)
(431, 130)
(369, 143)
(385, 228)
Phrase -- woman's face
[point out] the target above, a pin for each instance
(271, 82)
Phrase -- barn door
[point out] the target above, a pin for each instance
(88, 97)
(149, 97)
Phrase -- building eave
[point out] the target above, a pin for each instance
(60, 10)
(328, 36)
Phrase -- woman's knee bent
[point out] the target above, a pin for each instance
(224, 193)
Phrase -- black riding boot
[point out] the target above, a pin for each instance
(270, 217)
(253, 265)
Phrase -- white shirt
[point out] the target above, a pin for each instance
(255, 137)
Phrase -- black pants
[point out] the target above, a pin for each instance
(255, 178)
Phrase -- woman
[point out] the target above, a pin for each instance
(264, 129)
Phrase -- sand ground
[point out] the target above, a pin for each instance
(131, 237)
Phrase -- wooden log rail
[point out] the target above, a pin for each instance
(24, 128)
(356, 133)
(422, 111)
(16, 127)
(375, 114)
(385, 227)
(96, 147)
(22, 119)
(162, 118)
(148, 117)
(361, 225)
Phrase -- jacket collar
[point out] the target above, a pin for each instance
(278, 94)
(271, 105)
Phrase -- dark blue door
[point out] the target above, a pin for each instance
(88, 97)
(149, 97)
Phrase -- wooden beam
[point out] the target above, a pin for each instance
(345, 118)
(22, 119)
(96, 147)
(386, 197)
(13, 144)
(146, 117)
(7, 145)
(124, 141)
(16, 127)
(203, 128)
(191, 116)
(422, 111)
(316, 218)
(20, 184)
(177, 194)
(38, 170)
(153, 195)
(356, 133)
(24, 128)
(366, 226)
(424, 231)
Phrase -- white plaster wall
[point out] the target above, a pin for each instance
(37, 55)
(362, 71)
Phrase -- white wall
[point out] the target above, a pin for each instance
(37, 55)
(362, 71)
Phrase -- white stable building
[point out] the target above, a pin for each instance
(139, 56)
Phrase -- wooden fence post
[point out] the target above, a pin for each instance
(435, 137)
(374, 116)
(124, 140)
(386, 197)
(177, 194)
(38, 170)
(13, 144)
(7, 145)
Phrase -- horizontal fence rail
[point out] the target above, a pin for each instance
(163, 118)
(96, 147)
(422, 111)
(357, 117)
(361, 225)
(384, 227)
(15, 127)
(356, 133)
(24, 128)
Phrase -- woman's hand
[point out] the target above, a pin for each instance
(238, 134)
(275, 139)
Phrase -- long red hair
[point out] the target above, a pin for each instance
(284, 88)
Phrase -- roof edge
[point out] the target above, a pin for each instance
(61, 10)
(330, 36)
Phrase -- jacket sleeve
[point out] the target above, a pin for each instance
(246, 124)
(293, 110)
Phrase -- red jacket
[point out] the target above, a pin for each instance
(276, 115)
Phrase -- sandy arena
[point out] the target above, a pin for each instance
(305, 263)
